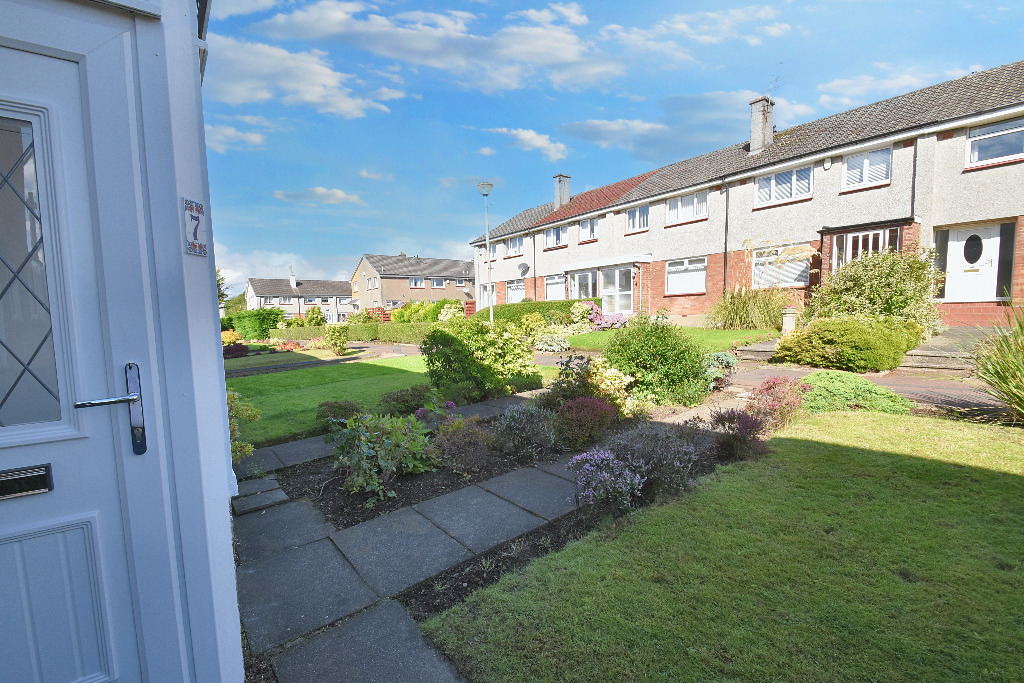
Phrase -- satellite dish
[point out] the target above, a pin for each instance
(524, 268)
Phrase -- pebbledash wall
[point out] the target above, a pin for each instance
(931, 188)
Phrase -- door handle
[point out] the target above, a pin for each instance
(134, 400)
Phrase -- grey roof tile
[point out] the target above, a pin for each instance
(403, 265)
(283, 287)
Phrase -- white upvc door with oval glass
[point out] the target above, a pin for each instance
(972, 264)
(89, 586)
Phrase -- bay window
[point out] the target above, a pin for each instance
(849, 246)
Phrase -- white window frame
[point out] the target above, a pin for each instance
(494, 251)
(592, 284)
(764, 257)
(977, 133)
(325, 301)
(284, 300)
(865, 241)
(588, 230)
(460, 283)
(414, 280)
(554, 281)
(514, 246)
(638, 219)
(520, 287)
(691, 269)
(434, 281)
(686, 208)
(556, 237)
(772, 179)
(309, 300)
(866, 161)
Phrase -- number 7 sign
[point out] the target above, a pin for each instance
(194, 217)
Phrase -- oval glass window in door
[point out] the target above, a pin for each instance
(972, 249)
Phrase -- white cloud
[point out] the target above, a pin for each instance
(536, 46)
(710, 28)
(319, 195)
(530, 140)
(959, 73)
(222, 138)
(257, 121)
(775, 30)
(373, 175)
(487, 151)
(222, 9)
(448, 181)
(241, 73)
(617, 133)
(237, 268)
(844, 93)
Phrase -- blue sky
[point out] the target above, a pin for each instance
(337, 128)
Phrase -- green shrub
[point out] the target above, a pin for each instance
(363, 316)
(582, 421)
(514, 312)
(552, 339)
(239, 411)
(404, 401)
(336, 338)
(336, 410)
(296, 333)
(258, 323)
(403, 333)
(845, 344)
(315, 317)
(463, 443)
(750, 309)
(525, 383)
(473, 351)
(531, 323)
(373, 449)
(462, 394)
(664, 362)
(835, 390)
(524, 432)
(999, 362)
(453, 309)
(363, 331)
(899, 285)
(291, 322)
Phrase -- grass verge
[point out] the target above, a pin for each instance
(264, 359)
(868, 547)
(714, 340)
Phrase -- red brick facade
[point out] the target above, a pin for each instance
(910, 234)
(985, 313)
(1017, 284)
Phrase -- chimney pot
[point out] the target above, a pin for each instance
(562, 195)
(762, 124)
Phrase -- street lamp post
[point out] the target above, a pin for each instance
(485, 189)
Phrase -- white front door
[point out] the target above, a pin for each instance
(972, 263)
(90, 588)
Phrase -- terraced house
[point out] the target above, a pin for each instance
(942, 167)
(296, 297)
(382, 281)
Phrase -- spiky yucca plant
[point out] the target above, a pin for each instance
(999, 361)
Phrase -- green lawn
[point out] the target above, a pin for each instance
(714, 340)
(868, 547)
(281, 358)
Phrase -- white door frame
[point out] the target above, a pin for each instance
(972, 282)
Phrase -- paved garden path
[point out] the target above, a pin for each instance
(318, 600)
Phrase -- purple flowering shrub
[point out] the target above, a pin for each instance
(581, 421)
(603, 478)
(740, 435)
(600, 321)
(667, 455)
(462, 443)
(776, 401)
(421, 413)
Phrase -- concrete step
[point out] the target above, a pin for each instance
(754, 354)
(936, 361)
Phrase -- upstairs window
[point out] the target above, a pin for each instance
(556, 237)
(416, 283)
(437, 283)
(997, 142)
(784, 187)
(285, 300)
(867, 169)
(688, 208)
(588, 230)
(514, 246)
(637, 219)
(494, 250)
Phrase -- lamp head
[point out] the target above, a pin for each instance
(485, 188)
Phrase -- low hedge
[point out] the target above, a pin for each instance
(403, 333)
(848, 344)
(362, 331)
(297, 333)
(514, 312)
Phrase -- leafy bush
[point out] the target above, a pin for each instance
(374, 449)
(531, 323)
(463, 393)
(472, 351)
(336, 338)
(721, 364)
(229, 337)
(451, 311)
(665, 454)
(363, 331)
(603, 478)
(740, 435)
(362, 317)
(525, 383)
(239, 411)
(514, 312)
(581, 421)
(315, 317)
(835, 390)
(317, 343)
(404, 401)
(336, 410)
(291, 322)
(580, 311)
(900, 285)
(525, 432)
(296, 333)
(573, 381)
(258, 323)
(552, 340)
(463, 443)
(846, 344)
(999, 362)
(776, 400)
(404, 333)
(666, 363)
(288, 346)
(750, 309)
(235, 350)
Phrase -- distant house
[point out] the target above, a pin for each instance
(296, 297)
(942, 167)
(381, 281)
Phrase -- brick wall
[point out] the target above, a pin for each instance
(654, 297)
(535, 288)
(1017, 284)
(499, 292)
(986, 313)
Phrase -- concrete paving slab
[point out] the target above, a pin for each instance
(264, 533)
(297, 452)
(252, 486)
(541, 493)
(477, 518)
(258, 464)
(398, 550)
(258, 501)
(558, 468)
(296, 591)
(381, 645)
(481, 410)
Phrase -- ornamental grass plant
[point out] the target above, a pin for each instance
(750, 309)
(999, 361)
